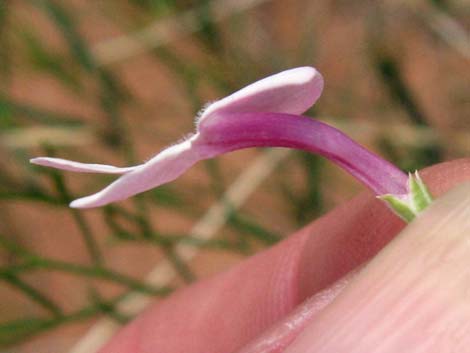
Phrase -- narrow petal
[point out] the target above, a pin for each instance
(65, 164)
(166, 166)
(291, 91)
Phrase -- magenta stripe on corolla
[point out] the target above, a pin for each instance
(265, 113)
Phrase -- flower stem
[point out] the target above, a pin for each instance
(31, 292)
(32, 261)
(17, 331)
(85, 229)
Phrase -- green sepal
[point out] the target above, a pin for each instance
(420, 196)
(401, 208)
(409, 206)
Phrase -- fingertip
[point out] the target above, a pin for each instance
(443, 176)
(413, 294)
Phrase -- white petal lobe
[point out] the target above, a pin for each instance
(73, 166)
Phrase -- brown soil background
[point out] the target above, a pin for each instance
(340, 38)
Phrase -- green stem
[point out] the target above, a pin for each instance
(175, 239)
(391, 75)
(111, 92)
(178, 264)
(252, 228)
(31, 292)
(32, 261)
(93, 272)
(35, 114)
(92, 246)
(82, 224)
(171, 255)
(18, 331)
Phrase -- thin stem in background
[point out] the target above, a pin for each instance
(147, 231)
(391, 75)
(28, 112)
(85, 229)
(388, 69)
(148, 235)
(33, 262)
(162, 32)
(38, 263)
(17, 331)
(390, 72)
(252, 228)
(31, 292)
(5, 49)
(436, 15)
(112, 93)
(123, 234)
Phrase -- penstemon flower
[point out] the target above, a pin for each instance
(265, 113)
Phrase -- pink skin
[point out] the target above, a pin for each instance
(265, 113)
(400, 298)
(412, 297)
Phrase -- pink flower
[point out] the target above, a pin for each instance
(265, 113)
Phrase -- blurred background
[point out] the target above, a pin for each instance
(116, 81)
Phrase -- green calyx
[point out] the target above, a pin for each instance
(409, 206)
